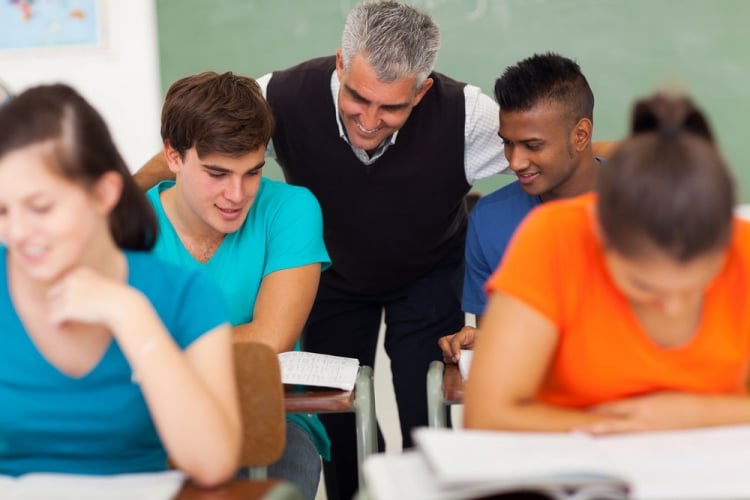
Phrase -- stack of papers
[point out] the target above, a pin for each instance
(459, 464)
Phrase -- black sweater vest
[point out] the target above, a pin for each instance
(389, 223)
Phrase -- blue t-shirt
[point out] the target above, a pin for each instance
(98, 423)
(491, 224)
(283, 229)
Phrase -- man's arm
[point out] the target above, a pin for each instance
(281, 309)
(476, 273)
(152, 172)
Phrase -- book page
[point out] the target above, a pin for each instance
(685, 464)
(460, 457)
(320, 370)
(49, 486)
(393, 476)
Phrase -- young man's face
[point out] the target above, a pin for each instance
(539, 148)
(216, 191)
(372, 110)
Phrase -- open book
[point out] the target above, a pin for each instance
(45, 486)
(319, 370)
(458, 464)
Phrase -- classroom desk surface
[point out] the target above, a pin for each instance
(271, 489)
(299, 399)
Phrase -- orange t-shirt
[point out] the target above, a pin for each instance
(555, 264)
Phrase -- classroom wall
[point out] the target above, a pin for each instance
(120, 78)
(627, 48)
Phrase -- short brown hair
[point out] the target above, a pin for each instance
(667, 184)
(216, 113)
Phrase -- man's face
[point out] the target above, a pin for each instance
(539, 148)
(372, 110)
(216, 190)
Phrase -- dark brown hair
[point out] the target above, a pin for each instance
(666, 185)
(83, 151)
(216, 113)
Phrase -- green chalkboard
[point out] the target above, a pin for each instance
(626, 48)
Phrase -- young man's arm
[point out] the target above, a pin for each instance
(284, 301)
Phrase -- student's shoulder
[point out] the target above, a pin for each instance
(566, 216)
(153, 194)
(508, 199)
(274, 192)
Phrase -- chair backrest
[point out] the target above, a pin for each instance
(261, 402)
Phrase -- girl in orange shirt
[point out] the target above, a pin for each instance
(626, 310)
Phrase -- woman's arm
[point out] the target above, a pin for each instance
(284, 301)
(511, 357)
(669, 410)
(192, 395)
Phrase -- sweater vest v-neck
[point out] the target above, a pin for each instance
(391, 222)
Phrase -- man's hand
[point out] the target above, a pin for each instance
(451, 345)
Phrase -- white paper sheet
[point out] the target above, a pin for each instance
(47, 486)
(320, 370)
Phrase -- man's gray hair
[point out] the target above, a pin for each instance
(398, 40)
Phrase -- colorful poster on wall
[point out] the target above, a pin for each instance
(35, 24)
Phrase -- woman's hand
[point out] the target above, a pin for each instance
(85, 296)
(651, 412)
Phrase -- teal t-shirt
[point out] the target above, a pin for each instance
(98, 423)
(283, 229)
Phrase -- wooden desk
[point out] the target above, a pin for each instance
(302, 399)
(360, 401)
(245, 490)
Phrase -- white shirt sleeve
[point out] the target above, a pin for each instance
(263, 82)
(484, 154)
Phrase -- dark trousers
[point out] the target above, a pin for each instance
(347, 325)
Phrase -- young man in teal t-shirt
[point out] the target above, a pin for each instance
(261, 240)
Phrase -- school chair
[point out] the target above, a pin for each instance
(360, 401)
(261, 399)
(262, 406)
(445, 387)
